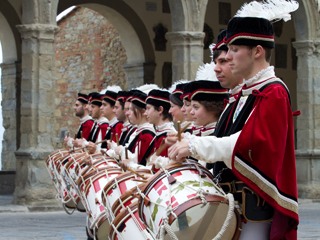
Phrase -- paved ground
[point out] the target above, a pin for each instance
(17, 222)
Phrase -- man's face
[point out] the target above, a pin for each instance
(153, 116)
(241, 60)
(130, 115)
(106, 110)
(119, 112)
(126, 108)
(224, 74)
(79, 108)
(95, 111)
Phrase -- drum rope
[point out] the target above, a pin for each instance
(137, 223)
(65, 209)
(228, 218)
(116, 230)
(89, 229)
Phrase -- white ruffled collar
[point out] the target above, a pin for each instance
(145, 125)
(210, 125)
(85, 118)
(126, 124)
(164, 126)
(113, 121)
(255, 79)
(102, 120)
(236, 90)
(185, 123)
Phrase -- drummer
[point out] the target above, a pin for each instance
(176, 103)
(101, 123)
(86, 121)
(157, 113)
(141, 138)
(261, 159)
(108, 99)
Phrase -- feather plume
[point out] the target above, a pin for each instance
(174, 85)
(113, 88)
(146, 88)
(273, 10)
(206, 72)
(211, 46)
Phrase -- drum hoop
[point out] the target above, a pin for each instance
(97, 177)
(95, 163)
(126, 196)
(122, 217)
(94, 172)
(70, 162)
(161, 174)
(118, 205)
(56, 152)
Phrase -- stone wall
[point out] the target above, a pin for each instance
(89, 57)
(9, 114)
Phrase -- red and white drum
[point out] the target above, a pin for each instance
(126, 199)
(80, 165)
(185, 198)
(128, 225)
(54, 164)
(119, 185)
(91, 185)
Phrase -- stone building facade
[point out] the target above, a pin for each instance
(29, 34)
(89, 57)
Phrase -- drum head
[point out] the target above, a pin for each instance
(204, 222)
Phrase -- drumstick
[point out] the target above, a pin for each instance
(75, 137)
(81, 135)
(95, 144)
(139, 180)
(179, 131)
(183, 129)
(68, 134)
(126, 152)
(117, 139)
(161, 148)
(138, 174)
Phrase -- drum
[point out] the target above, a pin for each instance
(126, 199)
(90, 186)
(128, 225)
(119, 185)
(64, 185)
(184, 199)
(81, 164)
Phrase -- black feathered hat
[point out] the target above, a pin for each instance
(95, 98)
(110, 97)
(221, 45)
(122, 96)
(83, 98)
(158, 98)
(139, 98)
(204, 90)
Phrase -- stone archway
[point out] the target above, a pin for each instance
(140, 64)
(10, 83)
(306, 20)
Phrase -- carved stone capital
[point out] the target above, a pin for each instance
(185, 37)
(39, 31)
(307, 48)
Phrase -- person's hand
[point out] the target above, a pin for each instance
(109, 143)
(66, 140)
(124, 163)
(77, 142)
(91, 148)
(117, 149)
(179, 151)
(152, 160)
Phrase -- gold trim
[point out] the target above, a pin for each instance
(159, 99)
(264, 187)
(211, 92)
(251, 38)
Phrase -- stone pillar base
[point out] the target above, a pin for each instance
(308, 175)
(34, 186)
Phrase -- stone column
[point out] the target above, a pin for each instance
(134, 75)
(187, 53)
(10, 73)
(33, 185)
(308, 123)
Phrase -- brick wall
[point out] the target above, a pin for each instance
(89, 57)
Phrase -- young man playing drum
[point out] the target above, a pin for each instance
(86, 121)
(258, 144)
(101, 123)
